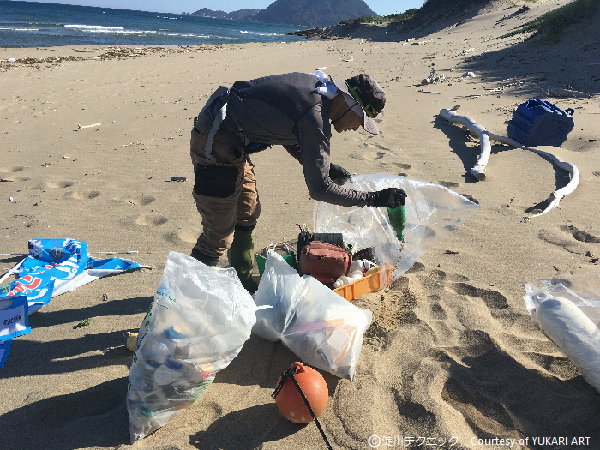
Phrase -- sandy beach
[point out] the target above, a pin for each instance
(451, 359)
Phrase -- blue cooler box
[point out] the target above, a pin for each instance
(538, 122)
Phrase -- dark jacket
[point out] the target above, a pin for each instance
(287, 110)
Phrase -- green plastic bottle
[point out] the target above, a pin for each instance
(397, 217)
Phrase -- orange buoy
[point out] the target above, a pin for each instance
(313, 385)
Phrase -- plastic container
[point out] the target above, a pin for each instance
(260, 261)
(375, 280)
(538, 122)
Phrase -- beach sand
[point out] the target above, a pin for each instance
(451, 356)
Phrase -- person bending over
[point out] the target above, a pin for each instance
(295, 110)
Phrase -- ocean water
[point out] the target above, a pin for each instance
(30, 24)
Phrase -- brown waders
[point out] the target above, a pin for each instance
(225, 195)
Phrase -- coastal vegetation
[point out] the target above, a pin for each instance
(390, 18)
(550, 26)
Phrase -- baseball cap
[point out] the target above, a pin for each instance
(368, 94)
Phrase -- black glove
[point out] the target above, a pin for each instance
(338, 174)
(390, 197)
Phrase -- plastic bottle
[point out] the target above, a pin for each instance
(397, 218)
(573, 332)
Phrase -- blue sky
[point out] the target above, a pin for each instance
(381, 7)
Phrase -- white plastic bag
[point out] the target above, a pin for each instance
(320, 327)
(199, 320)
(567, 310)
(432, 213)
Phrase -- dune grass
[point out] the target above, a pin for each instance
(550, 26)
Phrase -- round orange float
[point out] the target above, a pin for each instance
(313, 385)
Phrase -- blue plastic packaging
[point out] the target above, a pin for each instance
(538, 122)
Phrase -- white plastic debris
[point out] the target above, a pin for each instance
(485, 136)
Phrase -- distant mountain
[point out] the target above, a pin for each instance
(205, 12)
(319, 13)
(242, 14)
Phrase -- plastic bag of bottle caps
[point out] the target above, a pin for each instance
(198, 322)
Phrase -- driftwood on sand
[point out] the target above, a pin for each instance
(484, 138)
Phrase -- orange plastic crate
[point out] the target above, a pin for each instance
(374, 281)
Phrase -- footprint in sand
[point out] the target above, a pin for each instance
(450, 294)
(60, 184)
(476, 386)
(378, 154)
(444, 313)
(374, 153)
(472, 356)
(12, 179)
(12, 169)
(185, 235)
(573, 243)
(580, 235)
(141, 200)
(86, 194)
(449, 184)
(492, 299)
(151, 220)
(373, 156)
(403, 166)
(369, 156)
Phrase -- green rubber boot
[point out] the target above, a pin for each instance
(241, 255)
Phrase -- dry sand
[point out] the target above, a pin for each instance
(451, 354)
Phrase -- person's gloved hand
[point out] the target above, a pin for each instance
(390, 197)
(338, 174)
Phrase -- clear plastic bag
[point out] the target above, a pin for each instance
(567, 310)
(432, 213)
(198, 322)
(320, 327)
